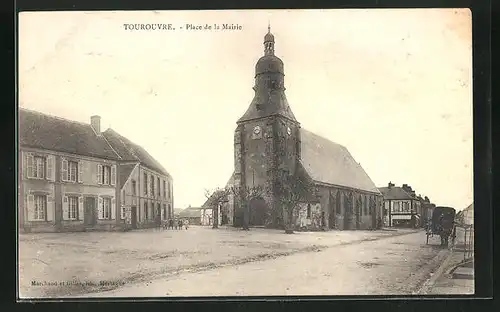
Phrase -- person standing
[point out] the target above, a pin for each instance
(186, 223)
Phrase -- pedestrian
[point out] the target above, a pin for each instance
(179, 224)
(186, 223)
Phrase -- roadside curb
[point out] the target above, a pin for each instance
(439, 272)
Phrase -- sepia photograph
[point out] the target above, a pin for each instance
(245, 153)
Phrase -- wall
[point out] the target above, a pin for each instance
(56, 189)
(164, 198)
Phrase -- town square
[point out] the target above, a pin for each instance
(196, 170)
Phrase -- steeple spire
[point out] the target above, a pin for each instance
(269, 41)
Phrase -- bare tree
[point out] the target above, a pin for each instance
(215, 200)
(292, 189)
(244, 196)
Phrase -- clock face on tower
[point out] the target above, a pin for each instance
(256, 130)
(288, 130)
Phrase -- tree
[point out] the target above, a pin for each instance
(291, 190)
(215, 200)
(244, 196)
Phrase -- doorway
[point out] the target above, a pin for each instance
(258, 211)
(89, 214)
(133, 217)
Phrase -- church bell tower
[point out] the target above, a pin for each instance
(267, 139)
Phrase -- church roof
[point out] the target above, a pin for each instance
(58, 134)
(131, 151)
(273, 104)
(331, 163)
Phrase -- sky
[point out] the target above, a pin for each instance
(392, 85)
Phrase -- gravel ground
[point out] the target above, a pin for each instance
(396, 265)
(62, 264)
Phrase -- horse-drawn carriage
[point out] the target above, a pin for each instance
(442, 223)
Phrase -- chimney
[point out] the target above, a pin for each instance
(390, 184)
(95, 122)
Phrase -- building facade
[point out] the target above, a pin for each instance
(402, 208)
(70, 177)
(269, 141)
(146, 188)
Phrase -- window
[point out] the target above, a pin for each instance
(72, 171)
(72, 208)
(106, 176)
(397, 207)
(168, 190)
(165, 211)
(123, 212)
(106, 208)
(159, 188)
(406, 207)
(40, 207)
(38, 167)
(337, 203)
(134, 188)
(145, 184)
(366, 205)
(164, 189)
(308, 210)
(146, 211)
(158, 210)
(151, 186)
(123, 196)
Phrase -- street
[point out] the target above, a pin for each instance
(396, 265)
(226, 262)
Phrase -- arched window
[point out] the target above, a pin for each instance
(308, 210)
(337, 202)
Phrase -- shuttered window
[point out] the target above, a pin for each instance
(38, 170)
(106, 208)
(40, 208)
(72, 208)
(73, 171)
(159, 186)
(145, 184)
(164, 189)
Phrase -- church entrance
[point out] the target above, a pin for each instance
(258, 211)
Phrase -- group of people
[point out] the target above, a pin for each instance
(178, 224)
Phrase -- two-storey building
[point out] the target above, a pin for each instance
(70, 177)
(146, 188)
(401, 206)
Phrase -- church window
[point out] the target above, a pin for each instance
(337, 203)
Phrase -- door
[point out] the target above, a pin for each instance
(133, 217)
(258, 209)
(90, 211)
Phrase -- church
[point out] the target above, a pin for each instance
(269, 138)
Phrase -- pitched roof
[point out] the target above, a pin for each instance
(331, 163)
(394, 192)
(131, 151)
(267, 104)
(54, 133)
(192, 212)
(124, 172)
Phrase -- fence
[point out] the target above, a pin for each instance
(464, 240)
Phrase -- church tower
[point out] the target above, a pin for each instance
(267, 139)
